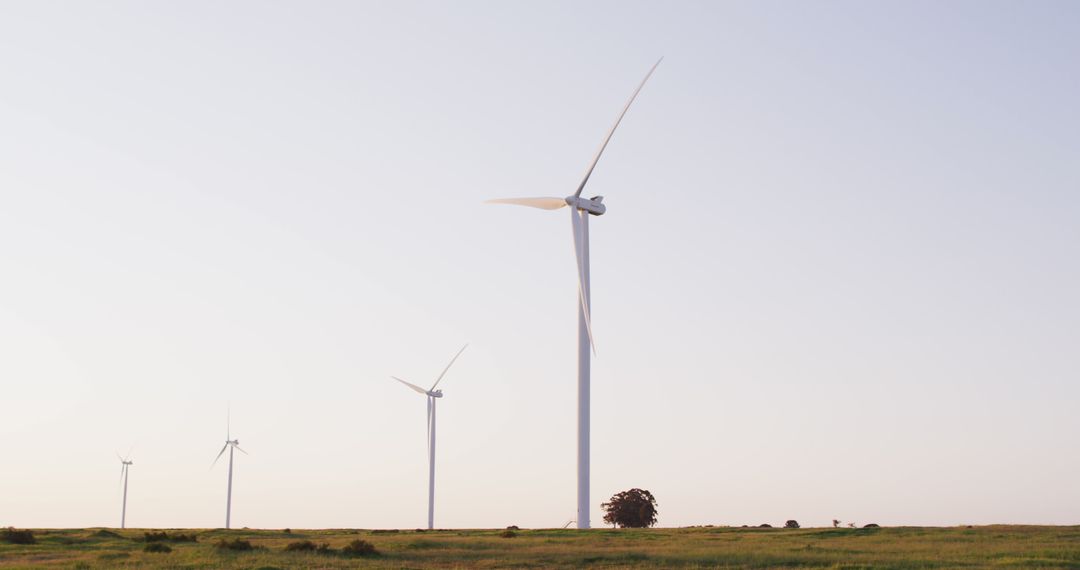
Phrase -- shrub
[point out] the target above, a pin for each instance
(287, 531)
(791, 524)
(308, 546)
(10, 534)
(508, 534)
(386, 531)
(157, 547)
(513, 527)
(359, 547)
(871, 525)
(234, 544)
(635, 508)
(104, 533)
(163, 536)
(835, 523)
(764, 525)
(155, 536)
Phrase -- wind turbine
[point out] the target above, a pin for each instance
(230, 444)
(125, 465)
(432, 395)
(580, 210)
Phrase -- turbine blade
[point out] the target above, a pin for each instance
(411, 385)
(119, 457)
(226, 446)
(123, 467)
(575, 220)
(542, 203)
(128, 454)
(241, 450)
(439, 379)
(603, 145)
(228, 422)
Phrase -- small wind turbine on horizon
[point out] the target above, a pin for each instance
(431, 395)
(230, 444)
(580, 210)
(125, 465)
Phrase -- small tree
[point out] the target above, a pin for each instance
(791, 524)
(835, 523)
(635, 508)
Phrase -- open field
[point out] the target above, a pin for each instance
(709, 547)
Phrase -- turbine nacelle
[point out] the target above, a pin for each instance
(591, 205)
(435, 393)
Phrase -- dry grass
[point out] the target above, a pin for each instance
(895, 548)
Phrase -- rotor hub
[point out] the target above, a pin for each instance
(591, 205)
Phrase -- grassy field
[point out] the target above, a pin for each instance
(709, 547)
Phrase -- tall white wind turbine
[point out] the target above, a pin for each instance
(580, 210)
(230, 444)
(432, 395)
(125, 464)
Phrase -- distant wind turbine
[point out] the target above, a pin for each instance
(432, 394)
(580, 209)
(230, 444)
(125, 465)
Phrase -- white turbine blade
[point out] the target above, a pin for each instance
(128, 454)
(439, 379)
(542, 203)
(119, 457)
(226, 446)
(578, 244)
(228, 422)
(241, 450)
(411, 385)
(603, 145)
(123, 466)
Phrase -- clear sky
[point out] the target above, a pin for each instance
(837, 278)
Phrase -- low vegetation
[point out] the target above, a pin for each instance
(12, 536)
(902, 548)
(308, 546)
(234, 544)
(157, 547)
(164, 536)
(359, 547)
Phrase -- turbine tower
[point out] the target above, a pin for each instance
(432, 395)
(580, 210)
(125, 464)
(230, 444)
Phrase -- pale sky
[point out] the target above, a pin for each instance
(837, 278)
